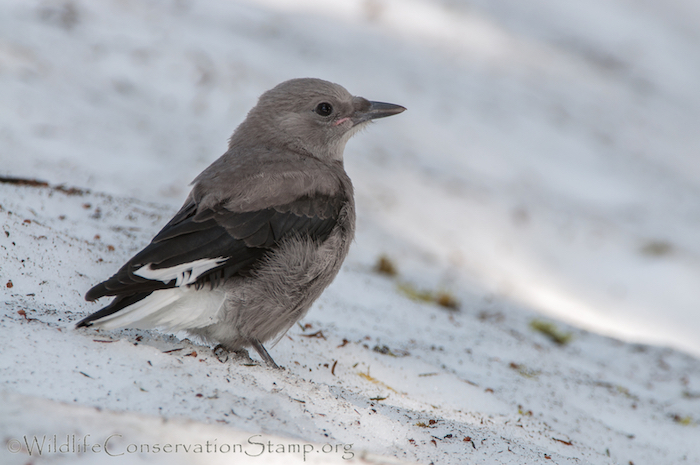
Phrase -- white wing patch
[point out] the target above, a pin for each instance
(173, 309)
(184, 274)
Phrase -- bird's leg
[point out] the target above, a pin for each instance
(257, 345)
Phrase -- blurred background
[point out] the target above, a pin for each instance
(549, 154)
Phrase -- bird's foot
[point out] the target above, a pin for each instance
(223, 354)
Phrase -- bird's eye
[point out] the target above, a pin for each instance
(324, 109)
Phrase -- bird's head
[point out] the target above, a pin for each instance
(310, 115)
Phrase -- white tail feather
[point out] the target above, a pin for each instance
(172, 309)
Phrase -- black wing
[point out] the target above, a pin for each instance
(242, 239)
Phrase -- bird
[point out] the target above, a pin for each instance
(262, 233)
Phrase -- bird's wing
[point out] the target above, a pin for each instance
(203, 247)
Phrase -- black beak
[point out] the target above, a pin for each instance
(377, 110)
(382, 110)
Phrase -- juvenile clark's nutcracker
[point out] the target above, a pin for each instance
(263, 232)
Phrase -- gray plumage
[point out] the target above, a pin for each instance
(263, 232)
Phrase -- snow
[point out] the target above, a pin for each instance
(546, 170)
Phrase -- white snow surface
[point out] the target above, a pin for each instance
(546, 169)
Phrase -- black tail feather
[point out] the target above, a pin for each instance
(117, 304)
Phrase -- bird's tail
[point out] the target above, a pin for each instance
(173, 309)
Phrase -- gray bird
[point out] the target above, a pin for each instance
(263, 232)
